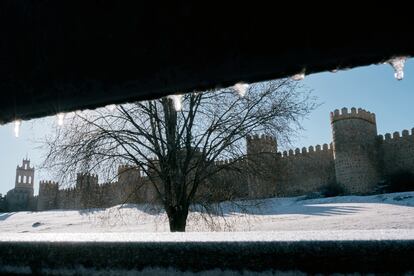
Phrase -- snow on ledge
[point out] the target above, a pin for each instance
(268, 236)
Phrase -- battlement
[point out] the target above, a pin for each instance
(128, 173)
(87, 175)
(260, 144)
(354, 113)
(260, 137)
(325, 148)
(47, 185)
(226, 162)
(123, 166)
(396, 136)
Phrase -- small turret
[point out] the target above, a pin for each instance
(359, 113)
(128, 174)
(86, 180)
(45, 186)
(48, 195)
(25, 176)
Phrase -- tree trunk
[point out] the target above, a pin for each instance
(177, 217)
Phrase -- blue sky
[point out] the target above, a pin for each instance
(373, 88)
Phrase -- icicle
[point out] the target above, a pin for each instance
(241, 88)
(61, 118)
(17, 125)
(299, 76)
(111, 107)
(177, 100)
(398, 64)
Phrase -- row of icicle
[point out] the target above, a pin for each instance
(240, 88)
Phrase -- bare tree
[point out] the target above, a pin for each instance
(177, 149)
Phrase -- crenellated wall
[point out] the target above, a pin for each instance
(304, 171)
(358, 159)
(397, 152)
(256, 144)
(229, 183)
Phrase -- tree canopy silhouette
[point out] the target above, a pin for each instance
(177, 147)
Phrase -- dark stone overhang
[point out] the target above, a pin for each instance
(60, 56)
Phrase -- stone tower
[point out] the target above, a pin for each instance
(87, 190)
(355, 149)
(86, 181)
(261, 153)
(128, 174)
(48, 195)
(260, 144)
(25, 177)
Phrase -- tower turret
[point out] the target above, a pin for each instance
(260, 144)
(355, 149)
(20, 198)
(261, 156)
(48, 195)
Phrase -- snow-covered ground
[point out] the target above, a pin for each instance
(386, 216)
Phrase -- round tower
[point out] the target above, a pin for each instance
(25, 177)
(355, 149)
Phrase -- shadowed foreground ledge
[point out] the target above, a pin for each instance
(62, 56)
(310, 256)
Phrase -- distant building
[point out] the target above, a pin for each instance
(21, 198)
(357, 159)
